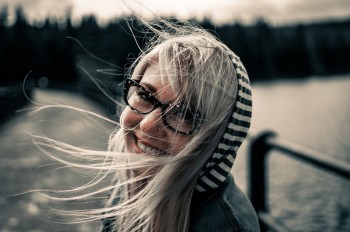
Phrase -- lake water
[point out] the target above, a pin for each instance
(315, 113)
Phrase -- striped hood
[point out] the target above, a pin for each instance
(219, 165)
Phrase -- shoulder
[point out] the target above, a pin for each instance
(227, 209)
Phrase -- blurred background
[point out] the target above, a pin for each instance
(54, 52)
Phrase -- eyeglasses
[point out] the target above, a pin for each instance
(176, 116)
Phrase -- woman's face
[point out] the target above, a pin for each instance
(147, 133)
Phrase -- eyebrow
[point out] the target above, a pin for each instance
(150, 87)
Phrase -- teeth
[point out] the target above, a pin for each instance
(147, 149)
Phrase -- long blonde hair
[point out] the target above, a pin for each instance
(200, 72)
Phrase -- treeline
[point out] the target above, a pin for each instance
(268, 52)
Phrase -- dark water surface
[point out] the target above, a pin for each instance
(316, 114)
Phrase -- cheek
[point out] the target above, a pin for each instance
(130, 119)
(180, 143)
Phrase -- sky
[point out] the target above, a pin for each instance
(219, 11)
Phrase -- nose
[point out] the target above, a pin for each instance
(152, 123)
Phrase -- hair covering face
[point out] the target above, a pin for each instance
(219, 165)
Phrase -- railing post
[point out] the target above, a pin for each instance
(258, 185)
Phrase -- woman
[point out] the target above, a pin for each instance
(188, 109)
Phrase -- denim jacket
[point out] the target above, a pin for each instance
(224, 209)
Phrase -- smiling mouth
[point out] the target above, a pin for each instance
(147, 149)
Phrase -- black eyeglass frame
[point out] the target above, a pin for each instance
(156, 103)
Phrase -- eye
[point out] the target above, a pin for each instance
(181, 119)
(140, 99)
(144, 95)
(183, 113)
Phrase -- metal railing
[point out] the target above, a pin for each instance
(260, 147)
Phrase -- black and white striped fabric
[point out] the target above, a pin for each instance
(220, 163)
